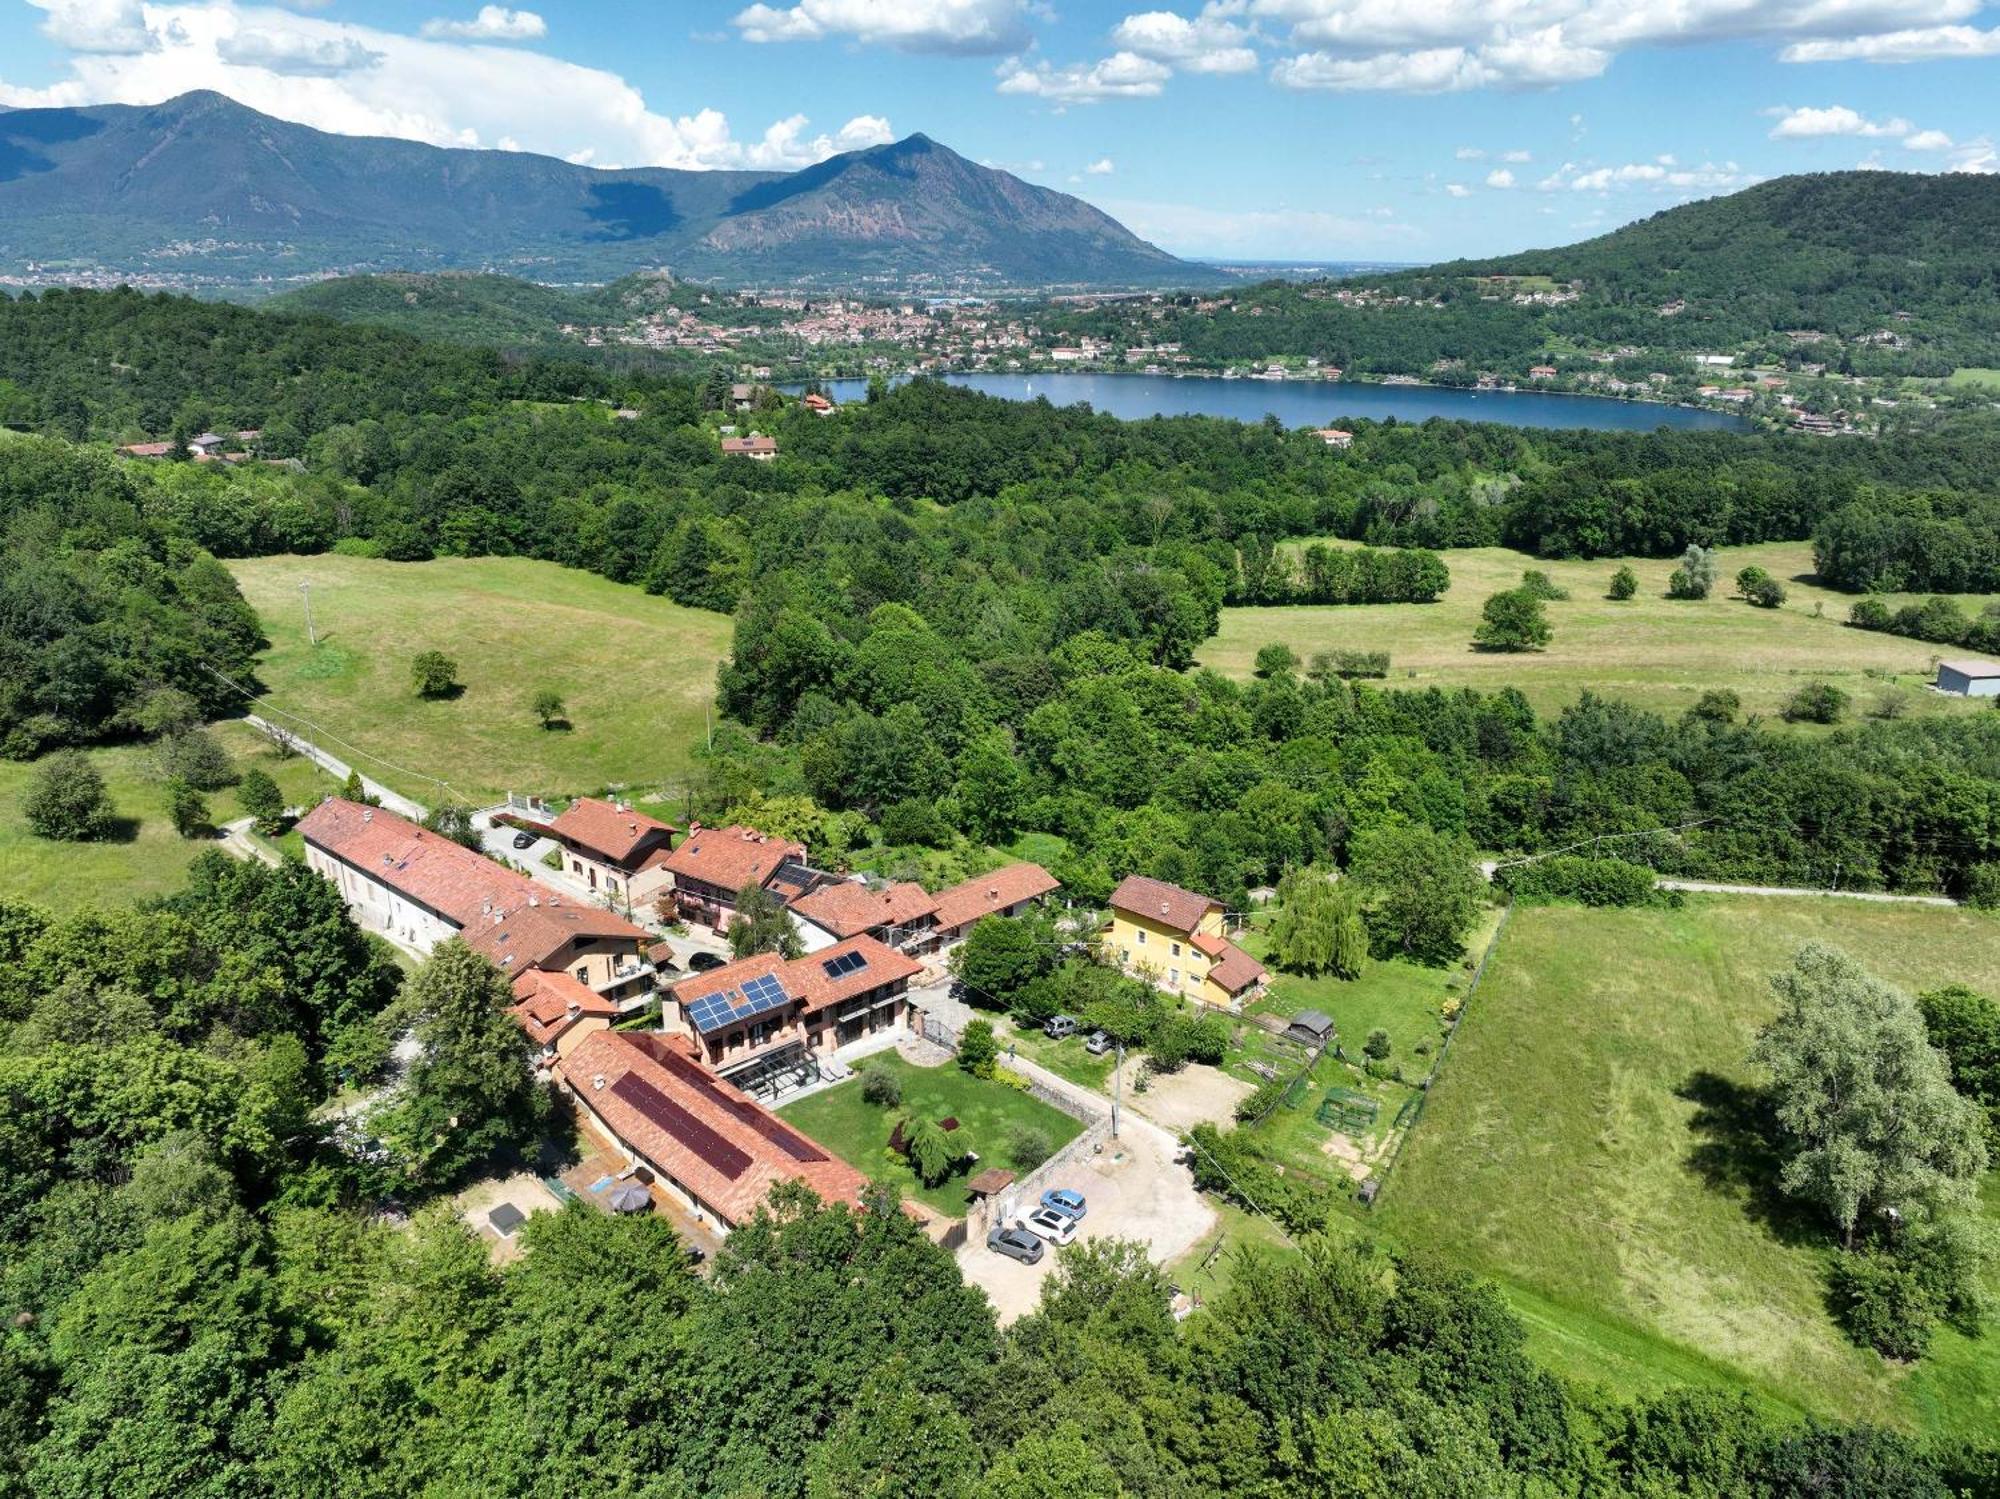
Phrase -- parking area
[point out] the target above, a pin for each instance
(1135, 1191)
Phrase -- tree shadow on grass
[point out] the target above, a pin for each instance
(1735, 1158)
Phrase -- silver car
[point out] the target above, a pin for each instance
(1016, 1243)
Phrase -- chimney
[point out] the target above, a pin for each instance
(597, 1082)
(573, 1009)
(534, 900)
(367, 814)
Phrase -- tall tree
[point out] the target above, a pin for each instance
(762, 924)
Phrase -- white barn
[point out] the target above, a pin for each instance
(1969, 678)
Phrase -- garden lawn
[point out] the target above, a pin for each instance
(1661, 653)
(858, 1132)
(1577, 1148)
(636, 672)
(147, 857)
(1065, 1058)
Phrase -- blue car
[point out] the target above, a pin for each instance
(1062, 1200)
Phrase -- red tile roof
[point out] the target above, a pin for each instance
(506, 916)
(610, 830)
(806, 979)
(547, 1004)
(1237, 971)
(717, 1142)
(147, 449)
(756, 442)
(846, 908)
(732, 857)
(1168, 905)
(963, 904)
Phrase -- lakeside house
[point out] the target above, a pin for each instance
(1173, 938)
(419, 888)
(1334, 437)
(615, 849)
(756, 447)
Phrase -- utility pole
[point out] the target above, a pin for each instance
(312, 636)
(1117, 1088)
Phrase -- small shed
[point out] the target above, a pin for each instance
(989, 1183)
(1969, 678)
(1312, 1027)
(505, 1219)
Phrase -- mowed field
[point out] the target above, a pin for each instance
(635, 671)
(1652, 650)
(1584, 1147)
(147, 857)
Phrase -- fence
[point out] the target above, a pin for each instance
(289, 740)
(1027, 1190)
(1371, 1192)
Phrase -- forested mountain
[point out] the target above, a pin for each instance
(201, 185)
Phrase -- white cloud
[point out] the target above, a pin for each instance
(1500, 178)
(361, 80)
(1915, 45)
(1123, 75)
(1812, 123)
(1517, 157)
(967, 27)
(1209, 43)
(1102, 167)
(1457, 190)
(1470, 153)
(1659, 175)
(494, 23)
(1446, 45)
(1927, 140)
(1260, 233)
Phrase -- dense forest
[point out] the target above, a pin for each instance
(206, 1296)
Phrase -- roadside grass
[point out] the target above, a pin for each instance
(1660, 653)
(1066, 1058)
(1209, 1269)
(1580, 1148)
(147, 858)
(858, 1132)
(636, 672)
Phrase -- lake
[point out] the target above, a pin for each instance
(1318, 403)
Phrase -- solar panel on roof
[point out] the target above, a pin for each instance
(794, 1144)
(705, 1144)
(846, 963)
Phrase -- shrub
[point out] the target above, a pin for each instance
(1276, 660)
(881, 1087)
(261, 799)
(1624, 584)
(66, 800)
(1695, 577)
(978, 1052)
(1982, 886)
(1748, 578)
(433, 674)
(1869, 614)
(1817, 702)
(1542, 586)
(1348, 665)
(1590, 882)
(1512, 621)
(915, 822)
(1182, 1039)
(1256, 1105)
(1377, 1047)
(1766, 593)
(1232, 1166)
(1717, 705)
(194, 757)
(186, 809)
(928, 1150)
(1027, 1147)
(548, 707)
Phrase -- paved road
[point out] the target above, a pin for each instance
(326, 760)
(1713, 887)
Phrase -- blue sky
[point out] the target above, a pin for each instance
(1371, 129)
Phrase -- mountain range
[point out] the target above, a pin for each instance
(203, 190)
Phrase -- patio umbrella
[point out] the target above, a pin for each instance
(631, 1199)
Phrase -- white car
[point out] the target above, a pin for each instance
(1047, 1223)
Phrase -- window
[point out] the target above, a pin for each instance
(1177, 949)
(1142, 939)
(1173, 975)
(583, 973)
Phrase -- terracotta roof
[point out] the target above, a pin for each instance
(506, 916)
(1157, 901)
(732, 857)
(847, 908)
(756, 442)
(966, 903)
(1211, 947)
(548, 1004)
(718, 1143)
(1237, 971)
(806, 979)
(147, 449)
(608, 829)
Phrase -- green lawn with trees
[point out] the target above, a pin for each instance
(633, 672)
(1593, 1144)
(989, 1112)
(1649, 649)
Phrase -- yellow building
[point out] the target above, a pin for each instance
(1173, 938)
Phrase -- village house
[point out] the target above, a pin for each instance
(712, 1149)
(615, 849)
(1542, 372)
(1173, 938)
(742, 397)
(899, 915)
(1334, 437)
(555, 1013)
(818, 404)
(420, 889)
(713, 865)
(765, 1019)
(1007, 891)
(756, 447)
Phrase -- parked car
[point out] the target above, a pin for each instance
(524, 839)
(1063, 1200)
(1016, 1243)
(1058, 1228)
(702, 962)
(1098, 1044)
(1058, 1026)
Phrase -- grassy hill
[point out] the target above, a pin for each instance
(636, 672)
(1658, 652)
(1580, 1148)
